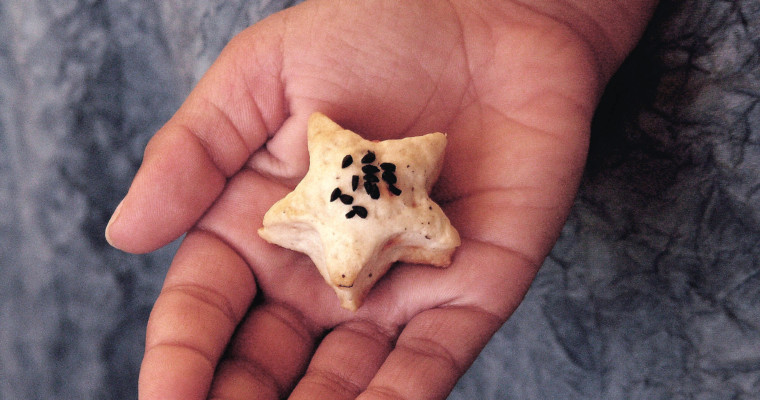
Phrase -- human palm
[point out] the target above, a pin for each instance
(513, 89)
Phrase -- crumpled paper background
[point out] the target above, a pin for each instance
(652, 292)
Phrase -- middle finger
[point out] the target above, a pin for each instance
(345, 362)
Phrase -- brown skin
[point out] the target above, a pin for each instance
(514, 85)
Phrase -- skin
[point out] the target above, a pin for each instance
(514, 85)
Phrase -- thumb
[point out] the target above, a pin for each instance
(228, 116)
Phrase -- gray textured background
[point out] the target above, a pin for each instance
(652, 292)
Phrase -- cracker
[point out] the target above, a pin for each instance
(362, 206)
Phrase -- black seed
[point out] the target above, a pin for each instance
(389, 177)
(335, 194)
(347, 160)
(354, 182)
(390, 167)
(360, 211)
(370, 274)
(368, 158)
(371, 178)
(372, 190)
(394, 190)
(346, 199)
(350, 214)
(370, 169)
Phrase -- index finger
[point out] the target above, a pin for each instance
(206, 293)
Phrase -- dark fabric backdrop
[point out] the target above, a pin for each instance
(652, 292)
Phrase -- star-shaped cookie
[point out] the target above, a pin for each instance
(362, 206)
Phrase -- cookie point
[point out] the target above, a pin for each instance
(320, 123)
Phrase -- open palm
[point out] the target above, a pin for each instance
(514, 90)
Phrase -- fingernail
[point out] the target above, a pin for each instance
(113, 219)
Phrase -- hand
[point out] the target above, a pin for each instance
(514, 86)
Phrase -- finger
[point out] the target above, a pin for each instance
(432, 353)
(206, 293)
(270, 350)
(228, 116)
(345, 362)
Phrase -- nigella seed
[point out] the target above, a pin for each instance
(346, 199)
(372, 190)
(368, 158)
(360, 211)
(355, 182)
(394, 190)
(335, 194)
(389, 177)
(371, 178)
(390, 167)
(347, 160)
(370, 169)
(350, 214)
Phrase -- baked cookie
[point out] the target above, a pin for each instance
(362, 206)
